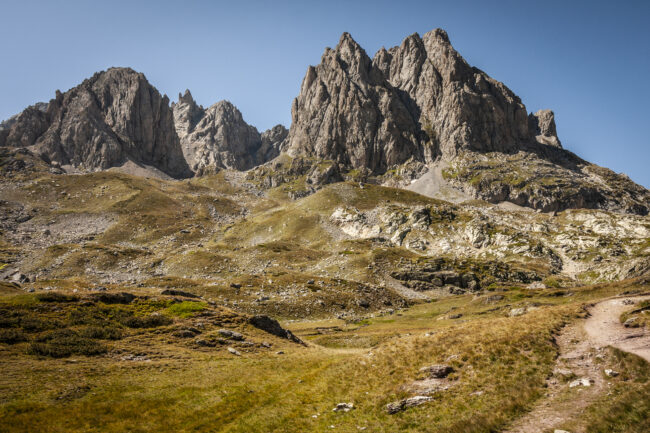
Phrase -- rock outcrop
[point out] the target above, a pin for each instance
(422, 102)
(114, 117)
(542, 127)
(420, 99)
(459, 106)
(348, 112)
(218, 137)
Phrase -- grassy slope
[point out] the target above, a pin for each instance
(184, 389)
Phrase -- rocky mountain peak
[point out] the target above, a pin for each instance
(353, 57)
(348, 112)
(111, 118)
(218, 137)
(186, 98)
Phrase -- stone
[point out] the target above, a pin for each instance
(113, 298)
(234, 351)
(517, 312)
(18, 277)
(272, 326)
(176, 292)
(186, 333)
(581, 382)
(319, 175)
(343, 407)
(218, 137)
(459, 107)
(542, 126)
(437, 371)
(227, 333)
(565, 373)
(347, 112)
(611, 373)
(205, 343)
(363, 303)
(631, 323)
(398, 406)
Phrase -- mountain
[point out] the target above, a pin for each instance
(329, 289)
(218, 137)
(416, 115)
(114, 117)
(421, 101)
(347, 112)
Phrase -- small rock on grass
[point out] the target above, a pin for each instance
(517, 312)
(343, 407)
(611, 373)
(437, 371)
(398, 406)
(580, 382)
(227, 333)
(234, 351)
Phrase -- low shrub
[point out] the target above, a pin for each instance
(101, 333)
(12, 336)
(56, 297)
(151, 321)
(63, 343)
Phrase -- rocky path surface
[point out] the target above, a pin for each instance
(605, 329)
(578, 380)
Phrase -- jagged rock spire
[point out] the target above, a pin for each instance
(347, 112)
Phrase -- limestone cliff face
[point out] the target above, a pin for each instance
(348, 112)
(218, 137)
(461, 107)
(421, 101)
(111, 118)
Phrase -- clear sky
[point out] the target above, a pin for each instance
(589, 61)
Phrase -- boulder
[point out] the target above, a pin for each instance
(232, 335)
(272, 326)
(176, 292)
(343, 407)
(437, 371)
(398, 406)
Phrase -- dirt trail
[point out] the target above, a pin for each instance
(579, 345)
(605, 329)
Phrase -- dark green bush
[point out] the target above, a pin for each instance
(65, 342)
(34, 324)
(151, 321)
(56, 297)
(12, 336)
(101, 333)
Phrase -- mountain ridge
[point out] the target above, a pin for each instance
(411, 107)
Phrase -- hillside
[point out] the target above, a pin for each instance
(416, 253)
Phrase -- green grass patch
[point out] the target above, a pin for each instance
(186, 308)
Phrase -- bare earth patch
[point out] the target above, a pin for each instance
(578, 378)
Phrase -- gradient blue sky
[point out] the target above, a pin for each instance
(589, 61)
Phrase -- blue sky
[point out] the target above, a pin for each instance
(589, 61)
